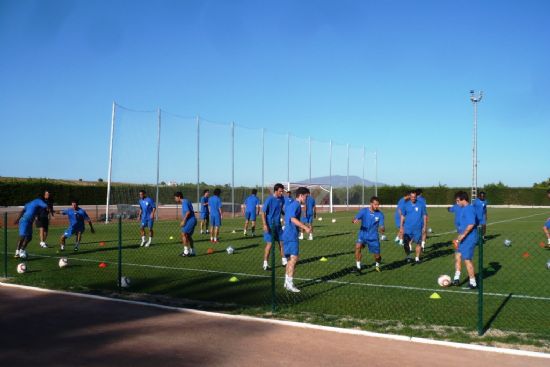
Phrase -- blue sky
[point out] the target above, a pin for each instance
(393, 76)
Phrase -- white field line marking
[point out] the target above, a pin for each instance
(493, 223)
(303, 325)
(317, 280)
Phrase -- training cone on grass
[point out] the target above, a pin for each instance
(526, 255)
(233, 279)
(102, 243)
(171, 237)
(210, 251)
(323, 259)
(542, 244)
(102, 265)
(435, 296)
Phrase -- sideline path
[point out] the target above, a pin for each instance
(48, 329)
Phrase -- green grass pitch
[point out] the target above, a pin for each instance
(516, 280)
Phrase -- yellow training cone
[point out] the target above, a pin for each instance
(435, 296)
(323, 259)
(233, 279)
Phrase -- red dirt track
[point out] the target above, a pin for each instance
(47, 329)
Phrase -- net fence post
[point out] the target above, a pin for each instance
(158, 162)
(480, 327)
(119, 253)
(5, 244)
(109, 173)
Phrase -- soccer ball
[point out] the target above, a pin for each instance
(320, 219)
(507, 243)
(63, 262)
(444, 280)
(186, 252)
(430, 230)
(383, 238)
(21, 268)
(230, 250)
(125, 282)
(334, 220)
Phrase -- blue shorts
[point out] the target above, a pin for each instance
(25, 229)
(189, 226)
(373, 245)
(278, 231)
(308, 219)
(215, 221)
(291, 248)
(415, 236)
(204, 216)
(147, 222)
(250, 215)
(73, 230)
(466, 249)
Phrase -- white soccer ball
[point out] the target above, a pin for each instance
(125, 282)
(507, 243)
(383, 238)
(444, 280)
(186, 252)
(320, 219)
(230, 250)
(21, 268)
(63, 262)
(430, 230)
(334, 220)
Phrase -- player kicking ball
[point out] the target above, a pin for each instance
(466, 240)
(24, 221)
(147, 210)
(187, 224)
(76, 216)
(372, 222)
(290, 236)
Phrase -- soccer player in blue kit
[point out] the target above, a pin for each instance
(271, 218)
(372, 221)
(467, 239)
(309, 214)
(420, 198)
(25, 220)
(76, 216)
(146, 215)
(216, 215)
(397, 216)
(251, 209)
(187, 224)
(204, 211)
(290, 236)
(414, 218)
(546, 229)
(480, 205)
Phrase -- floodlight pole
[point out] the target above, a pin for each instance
(158, 163)
(109, 177)
(475, 100)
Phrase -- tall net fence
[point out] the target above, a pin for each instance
(401, 298)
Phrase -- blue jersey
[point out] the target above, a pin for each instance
(468, 217)
(456, 209)
(32, 208)
(288, 200)
(480, 207)
(147, 205)
(399, 209)
(421, 200)
(310, 204)
(215, 204)
(414, 216)
(204, 208)
(547, 224)
(370, 222)
(293, 210)
(272, 209)
(187, 207)
(251, 203)
(76, 217)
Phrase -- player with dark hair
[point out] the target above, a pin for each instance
(204, 211)
(187, 224)
(414, 218)
(466, 240)
(76, 216)
(216, 216)
(271, 218)
(290, 236)
(372, 221)
(480, 206)
(397, 216)
(24, 220)
(43, 218)
(309, 214)
(250, 209)
(146, 215)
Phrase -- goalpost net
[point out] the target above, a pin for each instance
(322, 194)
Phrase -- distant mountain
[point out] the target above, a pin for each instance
(340, 181)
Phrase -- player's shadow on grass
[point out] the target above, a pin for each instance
(325, 278)
(332, 235)
(317, 258)
(237, 250)
(69, 250)
(487, 326)
(491, 237)
(491, 270)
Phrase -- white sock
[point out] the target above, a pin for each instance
(289, 280)
(401, 242)
(377, 264)
(423, 243)
(265, 262)
(396, 238)
(211, 238)
(185, 248)
(17, 252)
(473, 281)
(284, 261)
(416, 258)
(457, 275)
(143, 238)
(358, 264)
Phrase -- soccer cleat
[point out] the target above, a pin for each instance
(284, 261)
(301, 236)
(148, 242)
(472, 286)
(417, 262)
(377, 268)
(76, 247)
(23, 254)
(62, 248)
(244, 233)
(291, 288)
(43, 245)
(265, 266)
(142, 243)
(456, 282)
(409, 260)
(184, 254)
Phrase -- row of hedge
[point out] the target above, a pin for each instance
(19, 192)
